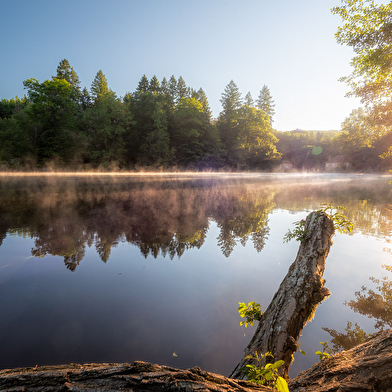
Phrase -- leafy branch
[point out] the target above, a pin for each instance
(340, 222)
(299, 232)
(265, 374)
(251, 312)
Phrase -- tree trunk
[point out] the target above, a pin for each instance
(296, 299)
(364, 368)
(138, 377)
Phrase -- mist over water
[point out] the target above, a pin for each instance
(117, 268)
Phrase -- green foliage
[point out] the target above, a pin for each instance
(245, 131)
(251, 312)
(102, 131)
(99, 86)
(256, 142)
(299, 232)
(326, 351)
(66, 72)
(340, 222)
(306, 149)
(366, 28)
(51, 117)
(265, 374)
(266, 103)
(169, 124)
(10, 107)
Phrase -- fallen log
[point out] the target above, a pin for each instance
(296, 299)
(139, 376)
(364, 368)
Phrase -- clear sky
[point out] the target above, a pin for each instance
(287, 45)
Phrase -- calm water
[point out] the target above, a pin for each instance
(124, 268)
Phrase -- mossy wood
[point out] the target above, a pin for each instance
(296, 299)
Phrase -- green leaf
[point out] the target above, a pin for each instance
(268, 376)
(277, 364)
(281, 385)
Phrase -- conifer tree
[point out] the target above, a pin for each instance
(228, 122)
(66, 72)
(85, 99)
(154, 85)
(164, 86)
(249, 100)
(173, 87)
(99, 86)
(143, 85)
(182, 89)
(202, 97)
(266, 103)
(231, 100)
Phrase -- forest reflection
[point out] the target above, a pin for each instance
(64, 216)
(375, 303)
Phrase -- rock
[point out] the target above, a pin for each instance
(139, 376)
(366, 367)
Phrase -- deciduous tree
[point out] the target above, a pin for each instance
(367, 29)
(52, 117)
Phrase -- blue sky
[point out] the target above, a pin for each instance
(287, 45)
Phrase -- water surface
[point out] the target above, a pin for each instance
(124, 268)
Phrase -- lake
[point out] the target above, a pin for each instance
(117, 268)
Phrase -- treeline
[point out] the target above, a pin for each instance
(163, 124)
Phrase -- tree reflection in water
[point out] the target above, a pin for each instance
(65, 215)
(373, 303)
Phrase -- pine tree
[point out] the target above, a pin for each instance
(143, 85)
(231, 100)
(99, 86)
(266, 103)
(202, 97)
(228, 122)
(182, 89)
(249, 100)
(154, 85)
(85, 99)
(65, 71)
(164, 86)
(173, 87)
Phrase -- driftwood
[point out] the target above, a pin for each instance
(366, 367)
(140, 376)
(296, 299)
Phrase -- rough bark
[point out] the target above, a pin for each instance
(140, 376)
(296, 299)
(366, 367)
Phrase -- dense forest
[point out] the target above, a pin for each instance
(168, 125)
